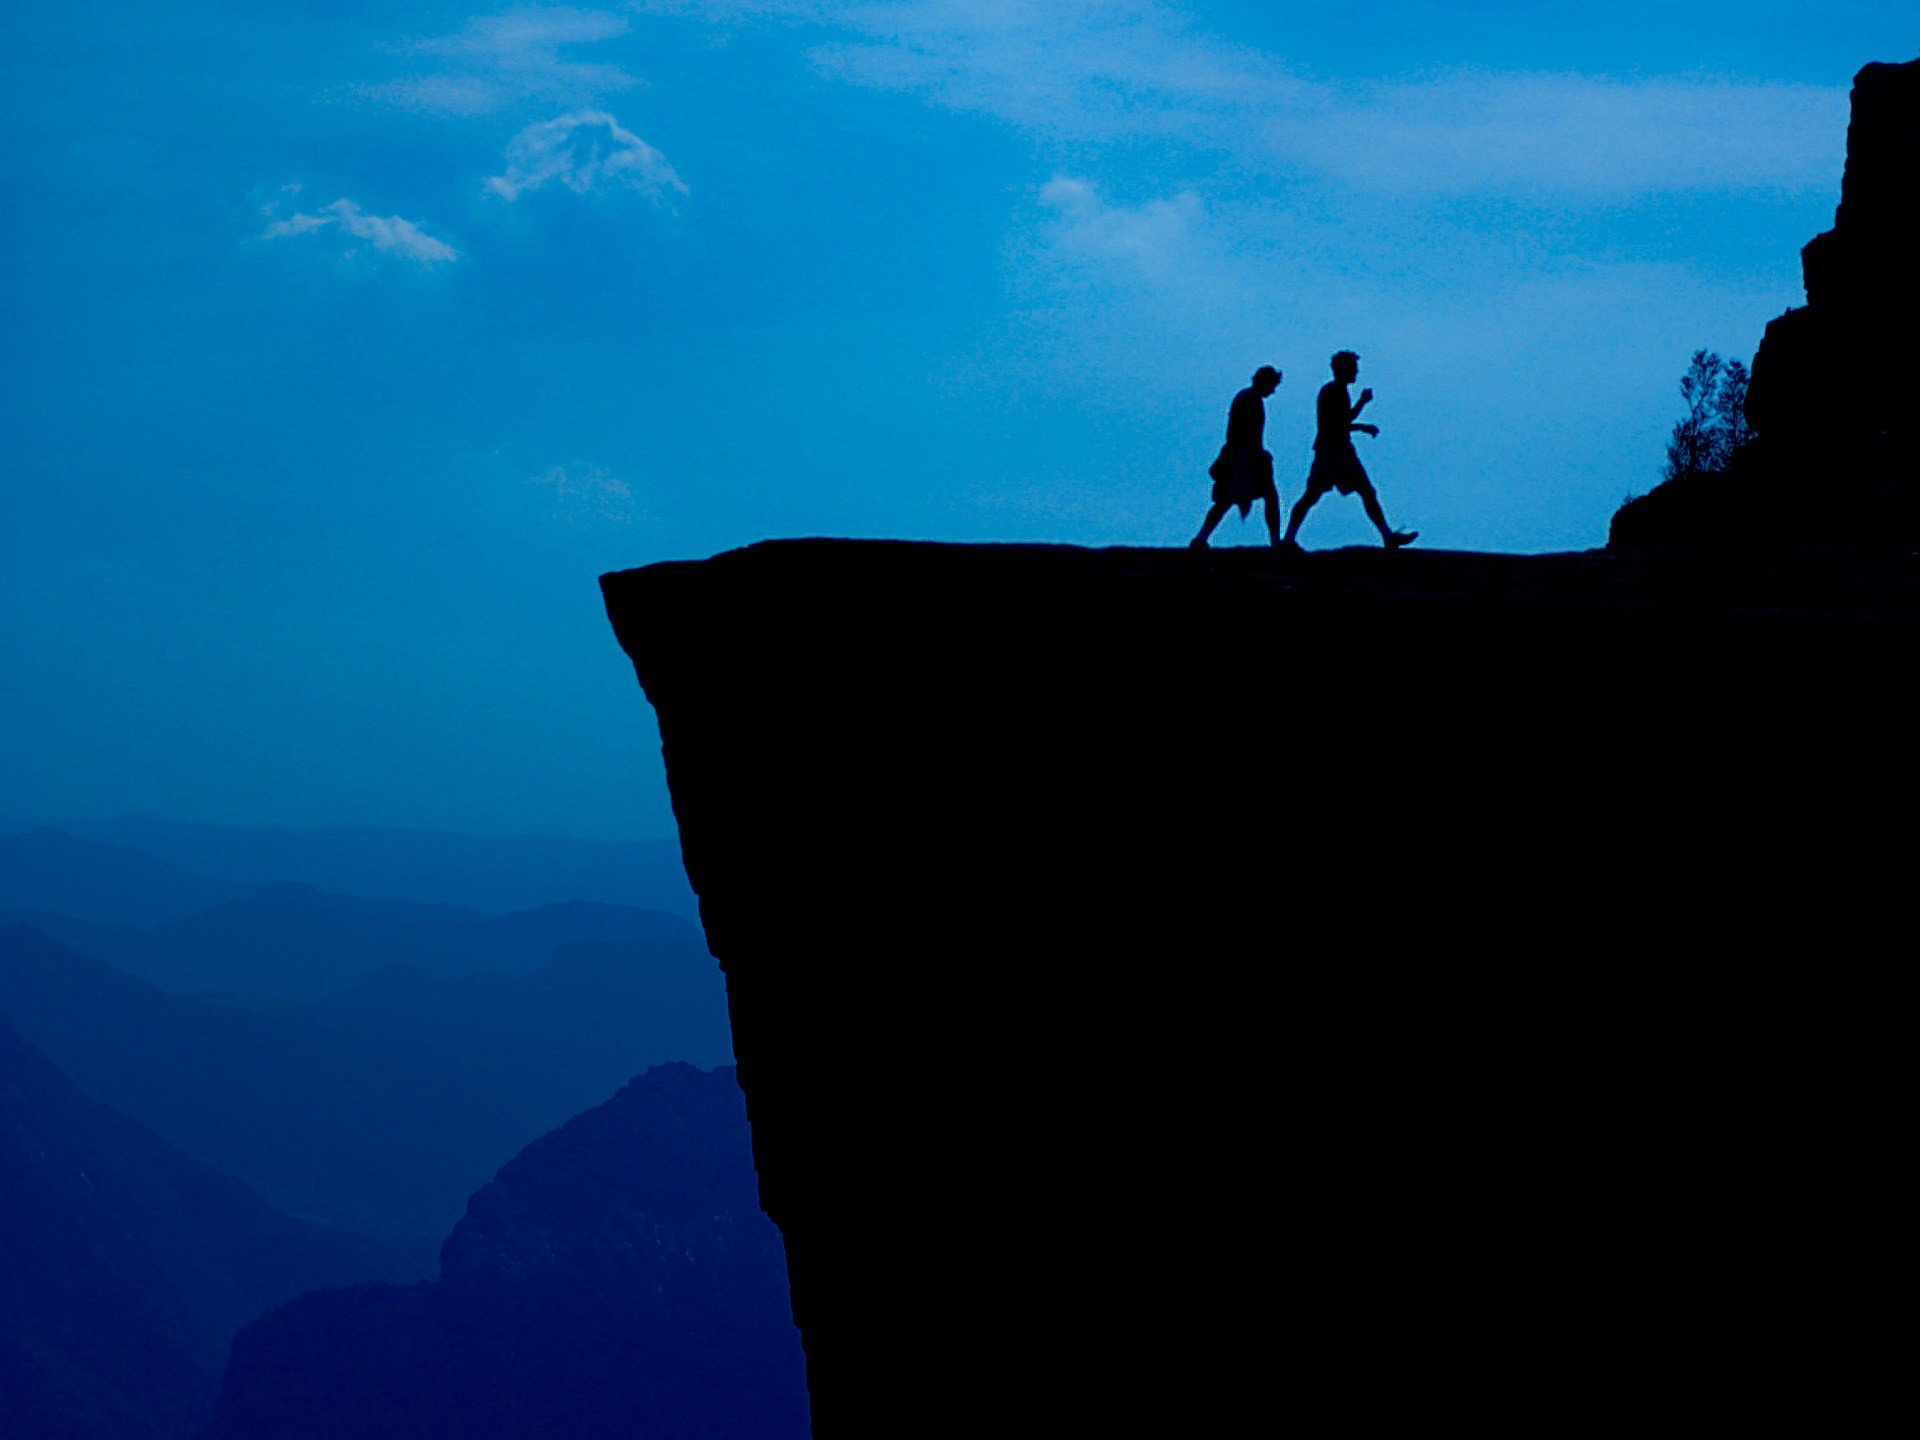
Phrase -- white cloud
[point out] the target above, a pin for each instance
(392, 234)
(588, 491)
(1093, 71)
(500, 60)
(1072, 70)
(1148, 237)
(584, 150)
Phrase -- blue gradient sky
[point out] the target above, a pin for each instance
(347, 343)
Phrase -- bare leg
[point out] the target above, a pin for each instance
(1207, 526)
(1300, 509)
(1389, 537)
(1371, 503)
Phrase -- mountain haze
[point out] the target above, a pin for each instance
(126, 1266)
(381, 1108)
(487, 873)
(617, 1280)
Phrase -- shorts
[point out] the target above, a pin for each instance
(1337, 470)
(1243, 481)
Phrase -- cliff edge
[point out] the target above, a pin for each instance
(1180, 994)
(1836, 448)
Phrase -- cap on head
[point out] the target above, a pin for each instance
(1266, 375)
(1345, 362)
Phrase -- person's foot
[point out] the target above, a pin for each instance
(1401, 537)
(1196, 543)
(1288, 547)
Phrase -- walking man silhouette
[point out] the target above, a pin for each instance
(1243, 471)
(1336, 465)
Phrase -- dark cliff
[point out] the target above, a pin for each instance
(1383, 987)
(1832, 403)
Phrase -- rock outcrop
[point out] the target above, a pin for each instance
(615, 1281)
(1833, 397)
(1180, 995)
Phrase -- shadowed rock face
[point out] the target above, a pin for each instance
(1382, 987)
(1833, 399)
(615, 1281)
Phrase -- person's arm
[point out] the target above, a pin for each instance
(1365, 397)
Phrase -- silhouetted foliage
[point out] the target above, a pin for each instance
(1710, 434)
(1834, 453)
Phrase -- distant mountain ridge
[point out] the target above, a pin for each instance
(126, 1266)
(42, 868)
(384, 1107)
(290, 942)
(486, 873)
(616, 1280)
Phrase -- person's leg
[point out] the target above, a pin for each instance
(1300, 509)
(1207, 526)
(1370, 502)
(1270, 509)
(1391, 538)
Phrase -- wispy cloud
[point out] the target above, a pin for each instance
(501, 60)
(585, 150)
(1575, 135)
(1146, 237)
(1093, 71)
(391, 234)
(584, 492)
(1073, 70)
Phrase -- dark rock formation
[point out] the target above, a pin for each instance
(1174, 995)
(126, 1267)
(1833, 398)
(617, 1279)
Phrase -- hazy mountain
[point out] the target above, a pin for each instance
(380, 1109)
(585, 1013)
(616, 1280)
(53, 871)
(290, 942)
(488, 873)
(125, 1266)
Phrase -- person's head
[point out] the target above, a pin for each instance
(1266, 380)
(1346, 365)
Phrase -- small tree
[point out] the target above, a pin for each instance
(1730, 411)
(1706, 438)
(1691, 448)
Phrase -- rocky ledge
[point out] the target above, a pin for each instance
(1177, 994)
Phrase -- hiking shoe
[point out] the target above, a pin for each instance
(1402, 537)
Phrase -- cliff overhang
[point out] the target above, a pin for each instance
(1172, 988)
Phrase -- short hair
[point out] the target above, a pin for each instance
(1263, 372)
(1344, 357)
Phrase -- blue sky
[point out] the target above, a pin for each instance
(347, 343)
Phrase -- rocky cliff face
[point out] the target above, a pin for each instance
(615, 1281)
(1832, 403)
(1175, 995)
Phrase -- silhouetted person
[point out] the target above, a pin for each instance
(1336, 465)
(1243, 471)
